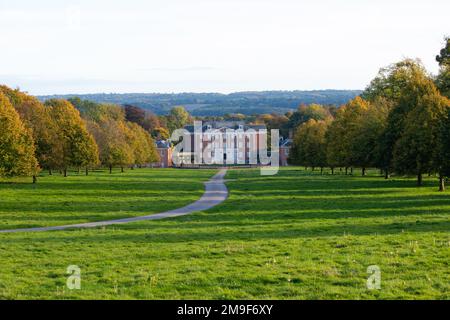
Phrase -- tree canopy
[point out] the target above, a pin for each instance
(17, 151)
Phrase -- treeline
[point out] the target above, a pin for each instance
(216, 104)
(57, 136)
(400, 124)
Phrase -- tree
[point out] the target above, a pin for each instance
(17, 149)
(160, 133)
(97, 111)
(442, 155)
(143, 146)
(114, 149)
(274, 121)
(134, 114)
(309, 145)
(146, 120)
(304, 113)
(443, 79)
(178, 118)
(418, 149)
(444, 56)
(402, 83)
(335, 149)
(78, 147)
(364, 131)
(36, 118)
(344, 135)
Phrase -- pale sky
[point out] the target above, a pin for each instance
(88, 46)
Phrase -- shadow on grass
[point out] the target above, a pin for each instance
(145, 233)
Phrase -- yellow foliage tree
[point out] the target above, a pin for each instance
(17, 151)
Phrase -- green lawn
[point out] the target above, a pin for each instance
(297, 235)
(55, 200)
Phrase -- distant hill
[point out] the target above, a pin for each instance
(216, 104)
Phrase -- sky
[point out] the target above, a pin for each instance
(65, 47)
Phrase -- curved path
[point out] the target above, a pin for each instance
(215, 192)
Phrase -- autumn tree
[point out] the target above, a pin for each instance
(145, 119)
(304, 113)
(309, 145)
(17, 150)
(78, 147)
(114, 149)
(142, 145)
(274, 121)
(90, 110)
(36, 118)
(134, 114)
(343, 135)
(178, 118)
(160, 133)
(364, 129)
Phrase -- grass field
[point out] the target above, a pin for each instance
(297, 235)
(55, 200)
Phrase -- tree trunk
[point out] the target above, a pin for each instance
(65, 173)
(50, 173)
(321, 170)
(419, 179)
(87, 171)
(121, 169)
(346, 170)
(332, 170)
(132, 167)
(386, 174)
(351, 170)
(363, 171)
(78, 170)
(312, 168)
(110, 168)
(306, 168)
(34, 179)
(441, 183)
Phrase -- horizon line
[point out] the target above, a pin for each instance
(187, 92)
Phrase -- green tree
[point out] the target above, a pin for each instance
(17, 151)
(443, 79)
(78, 147)
(441, 157)
(444, 56)
(416, 150)
(309, 146)
(402, 83)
